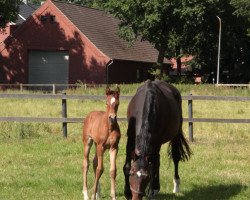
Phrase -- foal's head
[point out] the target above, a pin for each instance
(112, 100)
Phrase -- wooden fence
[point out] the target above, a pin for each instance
(47, 87)
(57, 87)
(64, 119)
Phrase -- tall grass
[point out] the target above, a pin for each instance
(37, 163)
(185, 89)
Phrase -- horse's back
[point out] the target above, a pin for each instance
(169, 94)
(168, 109)
(168, 90)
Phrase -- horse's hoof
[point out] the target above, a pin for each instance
(155, 192)
(176, 185)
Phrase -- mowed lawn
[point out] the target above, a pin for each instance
(37, 163)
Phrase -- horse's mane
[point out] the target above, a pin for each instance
(143, 138)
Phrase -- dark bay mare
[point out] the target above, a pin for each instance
(154, 118)
(101, 128)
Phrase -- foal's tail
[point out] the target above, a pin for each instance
(179, 148)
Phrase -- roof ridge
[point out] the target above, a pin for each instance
(32, 6)
(53, 1)
(80, 5)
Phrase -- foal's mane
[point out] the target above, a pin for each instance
(143, 138)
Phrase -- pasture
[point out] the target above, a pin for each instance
(37, 163)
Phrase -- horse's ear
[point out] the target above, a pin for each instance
(107, 90)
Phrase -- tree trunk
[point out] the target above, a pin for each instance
(178, 65)
(178, 61)
(160, 61)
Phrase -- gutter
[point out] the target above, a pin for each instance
(110, 62)
(21, 17)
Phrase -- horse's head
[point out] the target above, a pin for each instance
(112, 100)
(139, 178)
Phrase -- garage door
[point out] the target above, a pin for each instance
(48, 67)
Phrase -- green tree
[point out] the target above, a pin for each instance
(8, 11)
(179, 27)
(242, 9)
(89, 3)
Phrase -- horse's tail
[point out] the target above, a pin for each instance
(179, 148)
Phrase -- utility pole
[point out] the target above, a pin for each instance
(218, 61)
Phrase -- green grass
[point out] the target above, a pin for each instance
(37, 163)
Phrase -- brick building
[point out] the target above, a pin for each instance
(65, 43)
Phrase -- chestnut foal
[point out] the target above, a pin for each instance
(102, 128)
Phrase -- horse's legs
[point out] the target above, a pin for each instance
(99, 169)
(129, 149)
(176, 155)
(87, 146)
(154, 173)
(126, 169)
(176, 179)
(113, 154)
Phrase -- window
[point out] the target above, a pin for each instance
(52, 18)
(43, 18)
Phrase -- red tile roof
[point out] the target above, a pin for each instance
(184, 59)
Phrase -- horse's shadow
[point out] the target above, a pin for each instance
(206, 193)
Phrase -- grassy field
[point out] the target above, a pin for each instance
(37, 163)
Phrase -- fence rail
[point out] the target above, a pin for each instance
(233, 85)
(64, 119)
(54, 87)
(48, 87)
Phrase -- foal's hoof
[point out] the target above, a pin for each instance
(95, 197)
(85, 195)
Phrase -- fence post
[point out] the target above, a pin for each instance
(64, 115)
(54, 88)
(21, 87)
(190, 116)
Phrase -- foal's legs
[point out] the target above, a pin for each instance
(99, 169)
(87, 146)
(113, 154)
(95, 163)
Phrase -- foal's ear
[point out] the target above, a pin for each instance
(117, 89)
(107, 90)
